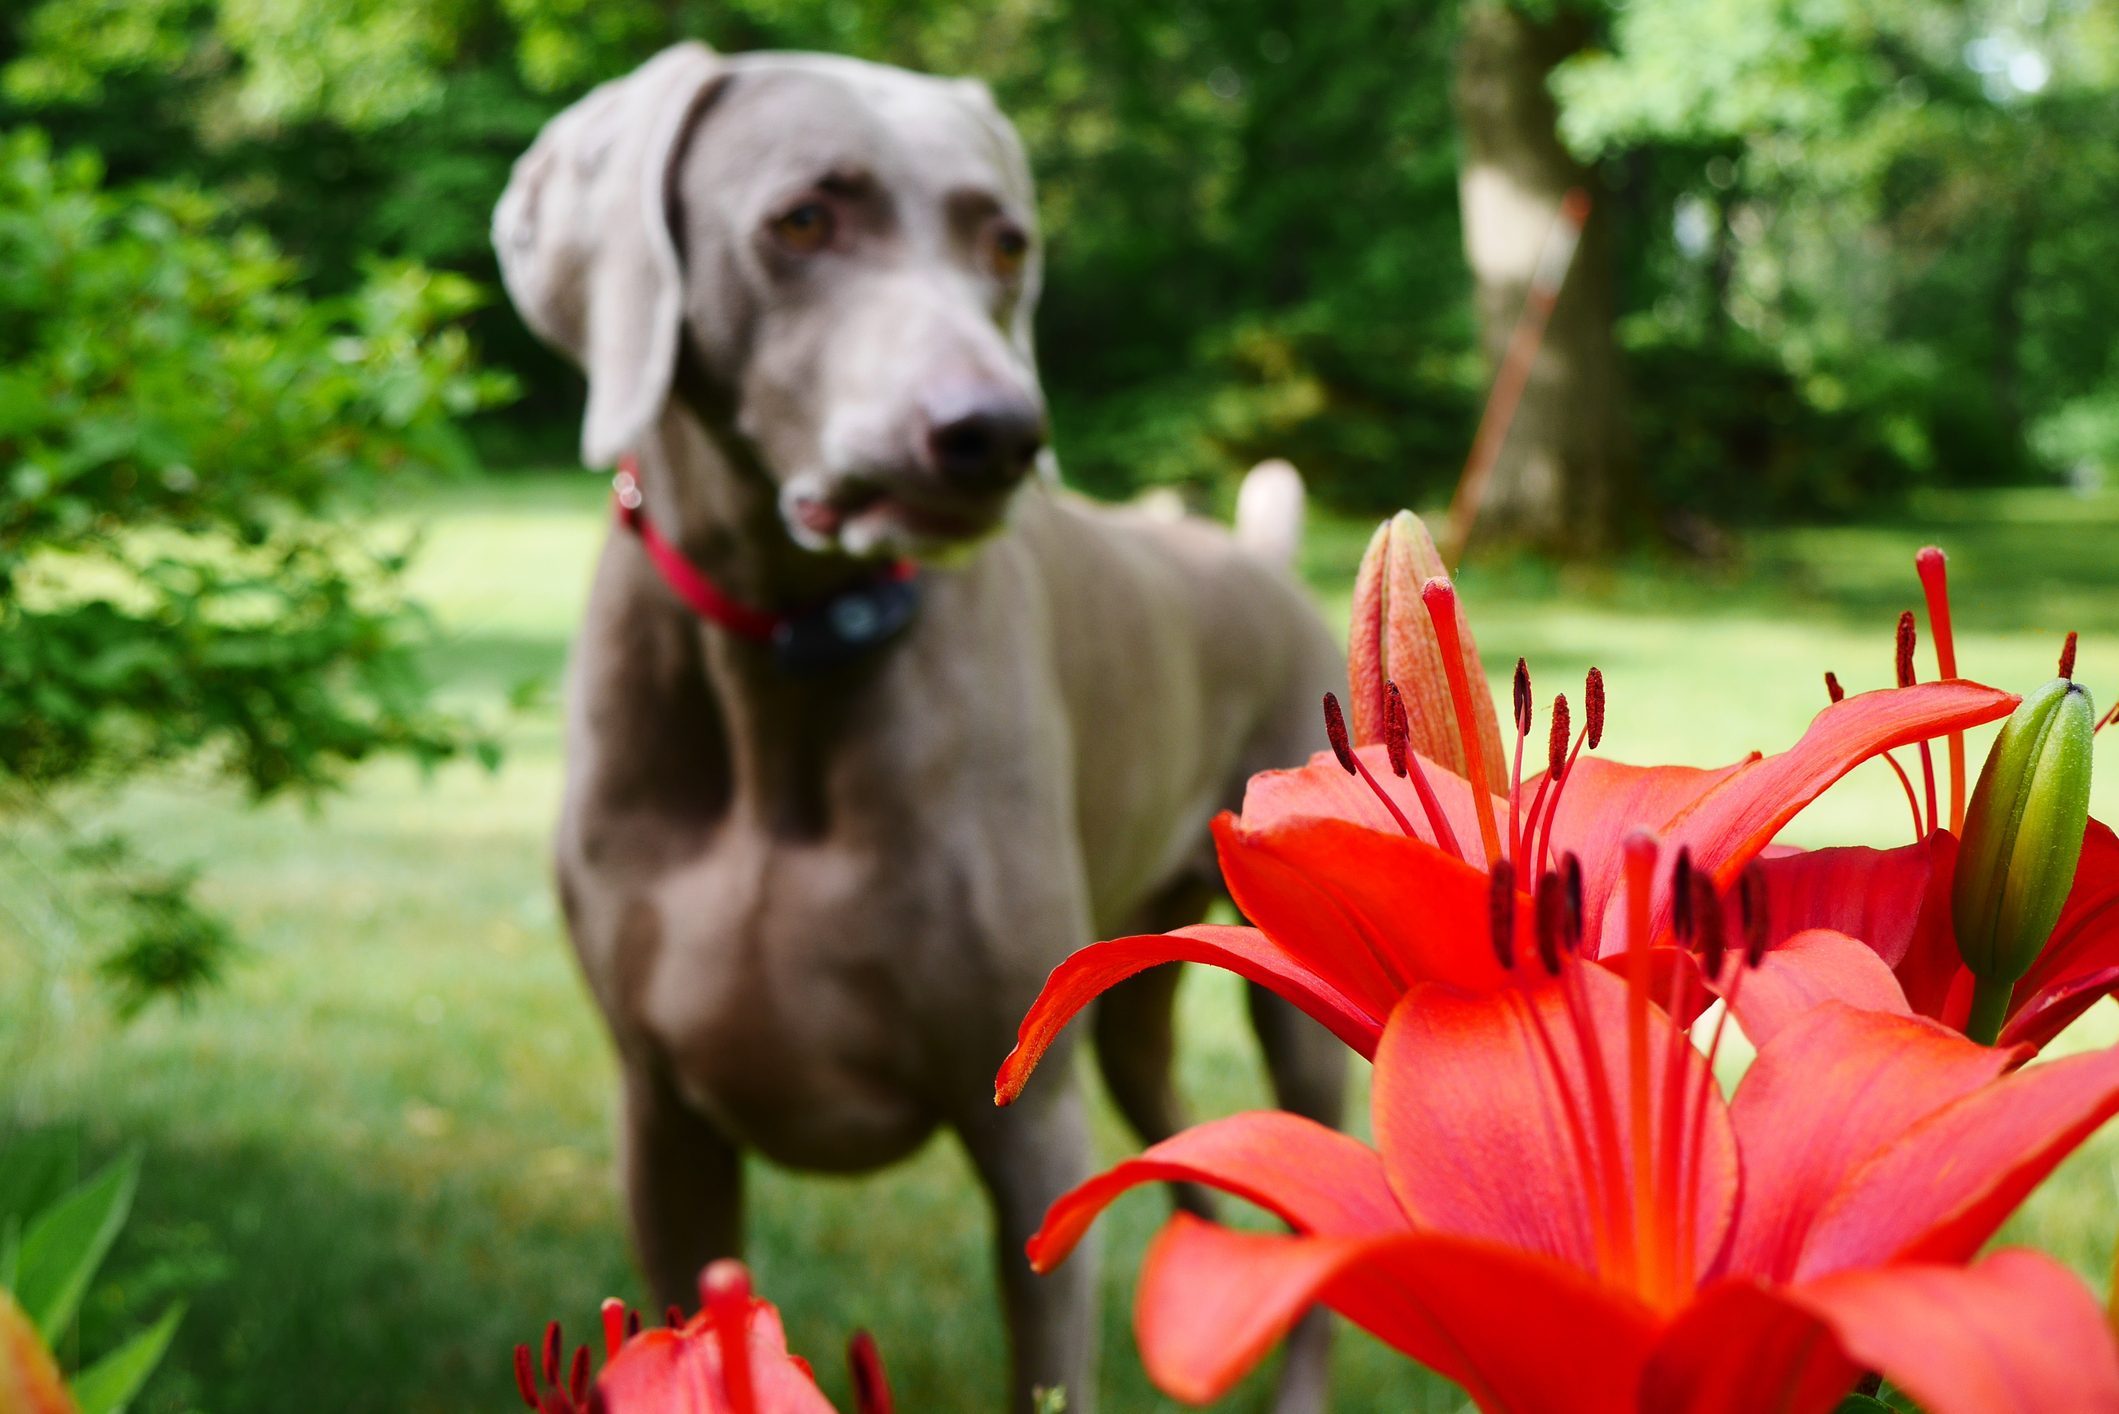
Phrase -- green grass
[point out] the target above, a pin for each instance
(382, 1153)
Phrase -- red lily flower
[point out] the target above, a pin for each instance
(1363, 870)
(1563, 1213)
(1897, 901)
(731, 1358)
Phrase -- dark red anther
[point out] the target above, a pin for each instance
(871, 1388)
(673, 1317)
(598, 1404)
(1501, 913)
(1832, 688)
(1551, 905)
(1335, 729)
(526, 1375)
(578, 1375)
(1707, 913)
(1908, 636)
(632, 1324)
(2067, 657)
(1571, 876)
(551, 1353)
(1556, 741)
(1751, 899)
(1397, 731)
(1681, 897)
(1522, 698)
(1593, 691)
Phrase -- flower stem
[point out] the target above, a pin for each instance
(1990, 1007)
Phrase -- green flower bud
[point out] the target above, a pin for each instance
(2022, 840)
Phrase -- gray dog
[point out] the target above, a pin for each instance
(830, 820)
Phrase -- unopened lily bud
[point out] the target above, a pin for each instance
(1392, 639)
(2023, 835)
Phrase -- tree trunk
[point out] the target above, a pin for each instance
(1565, 475)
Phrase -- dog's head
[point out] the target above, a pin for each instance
(846, 254)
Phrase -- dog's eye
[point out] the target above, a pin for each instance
(805, 229)
(1010, 249)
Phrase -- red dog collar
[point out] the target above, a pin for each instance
(818, 636)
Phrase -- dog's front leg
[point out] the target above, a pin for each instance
(1027, 1155)
(683, 1185)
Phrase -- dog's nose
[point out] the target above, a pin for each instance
(987, 443)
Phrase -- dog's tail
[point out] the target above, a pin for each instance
(1269, 512)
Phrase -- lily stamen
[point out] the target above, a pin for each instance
(1838, 694)
(1501, 914)
(1609, 1175)
(1751, 916)
(1555, 763)
(1640, 850)
(1439, 597)
(1933, 568)
(1335, 732)
(724, 1290)
(1406, 762)
(1592, 732)
(1908, 637)
(1515, 780)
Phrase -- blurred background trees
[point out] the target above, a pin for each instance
(1841, 249)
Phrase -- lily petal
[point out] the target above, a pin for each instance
(1470, 1116)
(1727, 817)
(2081, 961)
(1601, 801)
(1876, 895)
(1369, 912)
(1740, 1348)
(1213, 1301)
(1804, 971)
(2016, 1334)
(2046, 1013)
(679, 1371)
(1941, 1189)
(1247, 952)
(1877, 1076)
(1728, 827)
(1322, 790)
(1313, 1178)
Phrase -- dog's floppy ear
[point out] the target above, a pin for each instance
(585, 246)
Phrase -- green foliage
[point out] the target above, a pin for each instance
(180, 430)
(54, 1236)
(1251, 209)
(1885, 209)
(1864, 245)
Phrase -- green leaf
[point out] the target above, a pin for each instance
(1861, 1404)
(104, 1387)
(35, 1169)
(63, 1247)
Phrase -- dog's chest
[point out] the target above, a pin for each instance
(818, 997)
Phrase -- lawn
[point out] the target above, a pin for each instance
(382, 1153)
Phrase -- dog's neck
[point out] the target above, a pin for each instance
(786, 737)
(706, 493)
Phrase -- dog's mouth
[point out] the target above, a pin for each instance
(863, 515)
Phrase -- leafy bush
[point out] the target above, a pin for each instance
(180, 431)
